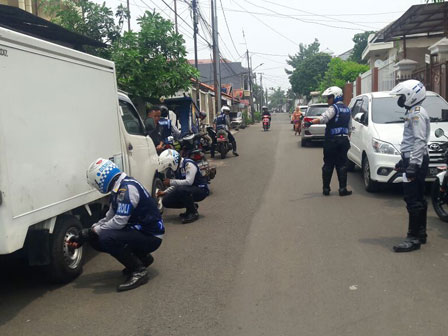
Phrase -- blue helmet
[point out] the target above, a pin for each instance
(101, 173)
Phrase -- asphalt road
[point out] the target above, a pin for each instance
(269, 256)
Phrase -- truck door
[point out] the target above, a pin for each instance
(137, 145)
(354, 152)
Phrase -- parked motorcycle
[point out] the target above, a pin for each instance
(439, 192)
(266, 123)
(223, 146)
(191, 148)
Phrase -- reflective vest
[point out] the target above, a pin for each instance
(339, 124)
(199, 180)
(221, 121)
(145, 216)
(165, 128)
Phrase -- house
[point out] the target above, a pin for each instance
(414, 46)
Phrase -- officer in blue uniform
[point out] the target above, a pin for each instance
(132, 228)
(223, 122)
(188, 187)
(167, 128)
(337, 143)
(414, 162)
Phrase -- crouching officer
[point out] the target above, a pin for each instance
(339, 122)
(132, 228)
(414, 162)
(188, 187)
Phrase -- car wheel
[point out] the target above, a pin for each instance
(369, 184)
(66, 263)
(304, 142)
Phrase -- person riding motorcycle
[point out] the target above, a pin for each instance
(414, 162)
(339, 121)
(188, 187)
(265, 111)
(223, 122)
(132, 228)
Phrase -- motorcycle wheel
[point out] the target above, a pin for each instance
(439, 201)
(223, 151)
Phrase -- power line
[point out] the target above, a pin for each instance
(267, 54)
(228, 30)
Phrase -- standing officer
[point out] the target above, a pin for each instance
(414, 162)
(339, 121)
(132, 228)
(167, 128)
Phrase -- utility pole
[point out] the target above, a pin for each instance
(129, 16)
(195, 36)
(175, 15)
(261, 86)
(251, 100)
(216, 58)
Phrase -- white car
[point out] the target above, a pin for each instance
(377, 132)
(315, 132)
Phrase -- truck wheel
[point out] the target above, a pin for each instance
(439, 201)
(369, 184)
(157, 185)
(66, 263)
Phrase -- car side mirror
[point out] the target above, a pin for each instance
(359, 117)
(439, 132)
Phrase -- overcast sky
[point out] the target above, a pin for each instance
(276, 27)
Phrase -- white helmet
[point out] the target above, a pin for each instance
(169, 158)
(100, 174)
(411, 92)
(334, 91)
(225, 108)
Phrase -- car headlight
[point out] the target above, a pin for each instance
(384, 147)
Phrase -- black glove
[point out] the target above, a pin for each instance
(411, 171)
(308, 124)
(84, 236)
(399, 167)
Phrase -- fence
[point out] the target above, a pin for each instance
(366, 82)
(386, 76)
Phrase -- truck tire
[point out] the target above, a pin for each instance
(66, 264)
(438, 202)
(157, 185)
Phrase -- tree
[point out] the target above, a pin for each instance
(360, 40)
(340, 72)
(152, 63)
(277, 99)
(305, 51)
(89, 19)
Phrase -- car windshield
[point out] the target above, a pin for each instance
(315, 111)
(386, 111)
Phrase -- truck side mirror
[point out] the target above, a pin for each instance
(359, 117)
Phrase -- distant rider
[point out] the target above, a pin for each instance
(188, 187)
(297, 120)
(414, 162)
(132, 228)
(265, 112)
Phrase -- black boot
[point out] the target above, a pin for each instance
(138, 276)
(342, 177)
(184, 214)
(412, 242)
(234, 149)
(190, 217)
(146, 260)
(422, 236)
(326, 180)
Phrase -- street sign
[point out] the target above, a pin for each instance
(427, 59)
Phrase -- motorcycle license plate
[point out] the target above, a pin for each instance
(433, 171)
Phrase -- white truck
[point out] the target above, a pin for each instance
(59, 111)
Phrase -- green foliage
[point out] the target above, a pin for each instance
(340, 72)
(305, 51)
(89, 19)
(360, 40)
(277, 99)
(152, 63)
(257, 116)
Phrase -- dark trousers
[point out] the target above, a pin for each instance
(414, 196)
(115, 241)
(231, 140)
(335, 156)
(184, 197)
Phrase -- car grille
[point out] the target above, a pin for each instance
(435, 153)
